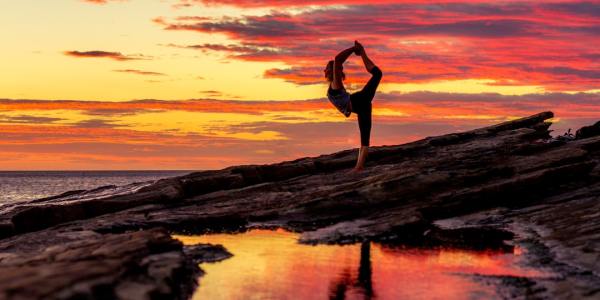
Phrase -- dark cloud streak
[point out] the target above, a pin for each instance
(140, 72)
(105, 54)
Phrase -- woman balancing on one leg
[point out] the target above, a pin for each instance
(359, 102)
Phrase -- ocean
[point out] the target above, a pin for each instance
(19, 186)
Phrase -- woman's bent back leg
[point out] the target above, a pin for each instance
(371, 87)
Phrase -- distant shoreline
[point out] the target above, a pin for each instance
(23, 186)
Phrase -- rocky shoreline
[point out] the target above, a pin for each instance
(491, 187)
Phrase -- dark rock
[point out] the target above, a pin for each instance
(531, 121)
(479, 238)
(588, 131)
(202, 253)
(6, 229)
(65, 194)
(139, 265)
(514, 287)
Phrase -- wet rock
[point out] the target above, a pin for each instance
(514, 287)
(479, 238)
(202, 253)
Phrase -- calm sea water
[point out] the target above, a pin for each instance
(18, 186)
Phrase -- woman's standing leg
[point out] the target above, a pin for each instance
(361, 104)
(364, 125)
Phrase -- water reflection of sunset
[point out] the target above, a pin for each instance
(272, 265)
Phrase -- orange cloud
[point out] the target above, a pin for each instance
(204, 133)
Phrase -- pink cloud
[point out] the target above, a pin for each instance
(549, 44)
(102, 1)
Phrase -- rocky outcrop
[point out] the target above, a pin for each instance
(588, 131)
(139, 265)
(474, 189)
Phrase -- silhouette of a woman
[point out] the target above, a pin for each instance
(359, 102)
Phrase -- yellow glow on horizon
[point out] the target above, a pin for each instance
(466, 86)
(389, 112)
(265, 135)
(473, 117)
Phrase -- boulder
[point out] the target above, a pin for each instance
(588, 131)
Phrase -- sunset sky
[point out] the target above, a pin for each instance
(204, 84)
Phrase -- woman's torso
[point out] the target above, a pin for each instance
(340, 98)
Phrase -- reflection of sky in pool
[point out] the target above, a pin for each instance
(272, 265)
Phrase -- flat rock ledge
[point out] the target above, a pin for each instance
(501, 186)
(87, 265)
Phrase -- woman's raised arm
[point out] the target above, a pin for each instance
(360, 50)
(338, 67)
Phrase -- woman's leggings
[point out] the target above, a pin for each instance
(361, 105)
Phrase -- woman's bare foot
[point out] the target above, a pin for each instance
(357, 170)
(362, 157)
